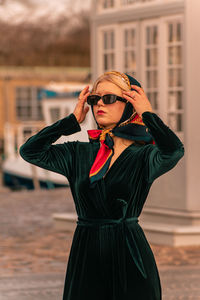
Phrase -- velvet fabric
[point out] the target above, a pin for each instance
(133, 129)
(110, 257)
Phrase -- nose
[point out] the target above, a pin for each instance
(100, 102)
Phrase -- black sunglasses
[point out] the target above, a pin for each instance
(107, 99)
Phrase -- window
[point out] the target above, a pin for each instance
(28, 105)
(175, 75)
(152, 51)
(129, 51)
(24, 133)
(27, 132)
(151, 65)
(108, 4)
(108, 50)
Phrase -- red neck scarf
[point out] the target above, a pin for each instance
(104, 155)
(106, 151)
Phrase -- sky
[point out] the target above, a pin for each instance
(14, 11)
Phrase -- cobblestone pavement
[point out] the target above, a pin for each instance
(180, 282)
(32, 286)
(49, 286)
(34, 252)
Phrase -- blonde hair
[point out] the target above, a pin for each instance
(118, 78)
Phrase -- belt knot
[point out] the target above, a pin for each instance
(84, 221)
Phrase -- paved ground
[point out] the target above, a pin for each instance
(32, 286)
(34, 254)
(178, 283)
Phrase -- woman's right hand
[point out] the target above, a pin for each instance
(80, 111)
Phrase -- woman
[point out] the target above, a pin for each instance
(110, 177)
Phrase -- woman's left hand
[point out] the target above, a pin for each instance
(138, 99)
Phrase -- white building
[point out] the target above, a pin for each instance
(158, 42)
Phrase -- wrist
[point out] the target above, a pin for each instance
(76, 117)
(150, 110)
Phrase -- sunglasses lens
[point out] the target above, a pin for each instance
(93, 99)
(108, 99)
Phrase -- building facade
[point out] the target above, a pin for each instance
(21, 98)
(144, 39)
(26, 106)
(156, 41)
(20, 105)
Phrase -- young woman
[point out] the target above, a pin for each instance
(110, 177)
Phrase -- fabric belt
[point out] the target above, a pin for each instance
(127, 234)
(93, 222)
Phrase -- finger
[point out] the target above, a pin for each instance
(129, 98)
(137, 88)
(130, 94)
(86, 109)
(86, 90)
(84, 97)
(83, 91)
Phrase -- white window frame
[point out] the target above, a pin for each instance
(100, 52)
(120, 58)
(161, 22)
(162, 63)
(144, 24)
(32, 101)
(101, 10)
(166, 20)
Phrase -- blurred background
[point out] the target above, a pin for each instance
(43, 33)
(44, 57)
(49, 51)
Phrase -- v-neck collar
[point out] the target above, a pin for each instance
(117, 160)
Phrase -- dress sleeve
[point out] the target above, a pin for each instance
(166, 152)
(38, 149)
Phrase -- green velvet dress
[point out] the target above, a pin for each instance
(110, 257)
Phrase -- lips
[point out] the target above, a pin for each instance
(101, 112)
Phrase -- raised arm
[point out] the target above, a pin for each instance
(166, 152)
(59, 158)
(168, 148)
(38, 149)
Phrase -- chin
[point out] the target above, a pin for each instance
(107, 125)
(102, 123)
(100, 120)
